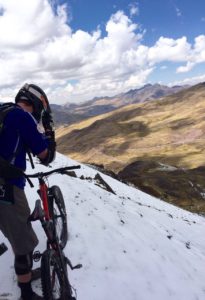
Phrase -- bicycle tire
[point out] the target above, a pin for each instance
(58, 213)
(55, 284)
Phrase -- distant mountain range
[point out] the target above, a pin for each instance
(72, 113)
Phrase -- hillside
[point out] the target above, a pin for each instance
(169, 131)
(132, 246)
(63, 116)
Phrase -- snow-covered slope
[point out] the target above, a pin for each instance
(132, 246)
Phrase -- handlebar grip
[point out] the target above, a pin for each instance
(73, 167)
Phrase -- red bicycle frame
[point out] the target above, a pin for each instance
(44, 197)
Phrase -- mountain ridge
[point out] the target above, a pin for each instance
(71, 113)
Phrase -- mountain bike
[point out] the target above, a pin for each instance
(53, 218)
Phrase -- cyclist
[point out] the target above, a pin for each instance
(20, 133)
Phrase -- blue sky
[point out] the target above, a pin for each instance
(168, 18)
(80, 49)
(171, 18)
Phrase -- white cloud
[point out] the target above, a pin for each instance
(134, 9)
(185, 69)
(28, 23)
(189, 81)
(178, 12)
(37, 45)
(167, 49)
(195, 56)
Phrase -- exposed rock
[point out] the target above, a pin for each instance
(184, 188)
(100, 181)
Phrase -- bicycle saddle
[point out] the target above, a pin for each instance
(38, 213)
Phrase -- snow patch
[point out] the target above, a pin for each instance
(132, 245)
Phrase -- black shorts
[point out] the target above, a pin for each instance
(14, 224)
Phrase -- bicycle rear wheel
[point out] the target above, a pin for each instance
(58, 213)
(55, 284)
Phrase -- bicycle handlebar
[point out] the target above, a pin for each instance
(58, 170)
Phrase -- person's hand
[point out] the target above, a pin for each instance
(47, 121)
(48, 125)
(50, 134)
(51, 149)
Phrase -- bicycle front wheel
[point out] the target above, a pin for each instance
(55, 284)
(58, 214)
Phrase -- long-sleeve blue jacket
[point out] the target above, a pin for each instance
(20, 132)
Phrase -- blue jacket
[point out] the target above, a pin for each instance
(20, 132)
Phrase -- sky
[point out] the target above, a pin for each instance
(77, 50)
(131, 245)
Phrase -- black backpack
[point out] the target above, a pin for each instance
(5, 108)
(7, 170)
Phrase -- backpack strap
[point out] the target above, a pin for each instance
(30, 158)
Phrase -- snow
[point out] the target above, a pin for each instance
(132, 246)
(166, 168)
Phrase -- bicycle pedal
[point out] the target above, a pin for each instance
(78, 266)
(37, 256)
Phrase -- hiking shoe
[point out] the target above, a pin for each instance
(34, 297)
(35, 274)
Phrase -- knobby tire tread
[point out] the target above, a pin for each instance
(51, 261)
(58, 201)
